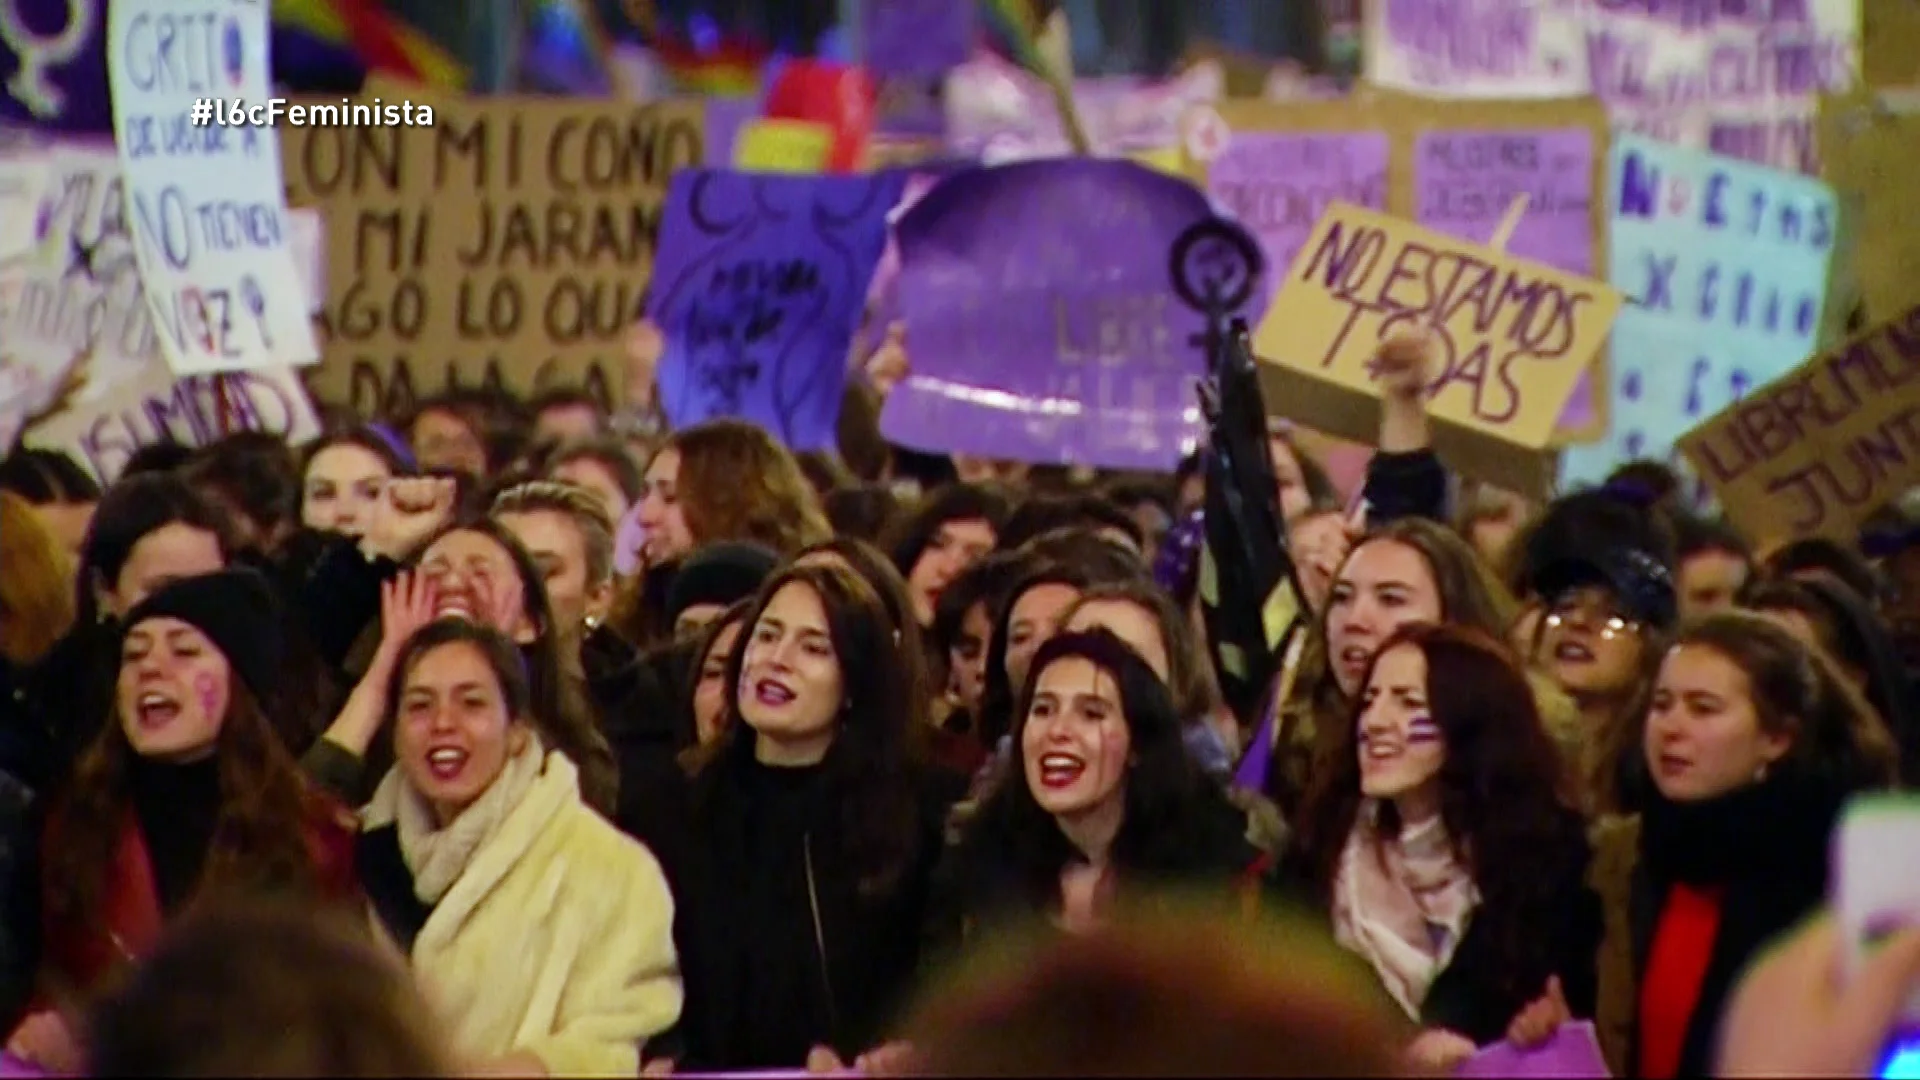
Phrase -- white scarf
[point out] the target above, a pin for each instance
(1402, 903)
(438, 855)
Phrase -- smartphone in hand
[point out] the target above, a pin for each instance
(1876, 893)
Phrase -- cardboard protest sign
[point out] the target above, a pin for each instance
(509, 245)
(1452, 165)
(1514, 335)
(1818, 450)
(189, 410)
(24, 177)
(758, 287)
(1042, 319)
(80, 290)
(207, 202)
(1870, 153)
(1742, 82)
(1725, 265)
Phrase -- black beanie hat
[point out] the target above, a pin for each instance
(722, 574)
(237, 611)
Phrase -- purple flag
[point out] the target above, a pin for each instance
(1041, 319)
(53, 65)
(758, 287)
(1465, 180)
(1573, 1053)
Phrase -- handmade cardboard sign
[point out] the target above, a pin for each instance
(1514, 338)
(1818, 450)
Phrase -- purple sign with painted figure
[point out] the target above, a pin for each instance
(1041, 318)
(1464, 181)
(1276, 185)
(758, 286)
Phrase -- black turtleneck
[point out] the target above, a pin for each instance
(177, 807)
(1776, 828)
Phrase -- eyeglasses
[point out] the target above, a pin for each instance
(1607, 623)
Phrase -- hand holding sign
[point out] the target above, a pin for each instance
(1512, 337)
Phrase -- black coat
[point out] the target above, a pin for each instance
(1766, 845)
(780, 948)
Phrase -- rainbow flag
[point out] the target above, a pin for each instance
(384, 44)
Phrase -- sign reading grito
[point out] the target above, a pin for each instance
(1514, 334)
(207, 205)
(1822, 447)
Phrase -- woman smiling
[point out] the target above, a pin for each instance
(545, 934)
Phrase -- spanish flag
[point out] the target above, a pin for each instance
(383, 43)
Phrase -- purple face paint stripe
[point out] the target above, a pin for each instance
(1422, 729)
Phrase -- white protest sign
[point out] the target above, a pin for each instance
(207, 203)
(78, 292)
(24, 175)
(161, 407)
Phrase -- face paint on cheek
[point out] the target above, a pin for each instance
(1422, 729)
(211, 694)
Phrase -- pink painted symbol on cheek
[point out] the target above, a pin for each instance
(211, 693)
(1422, 729)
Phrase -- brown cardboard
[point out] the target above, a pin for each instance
(1870, 154)
(1818, 450)
(508, 244)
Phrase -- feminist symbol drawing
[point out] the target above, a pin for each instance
(41, 53)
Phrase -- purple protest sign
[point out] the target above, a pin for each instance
(1041, 319)
(53, 57)
(1277, 185)
(915, 37)
(1464, 181)
(725, 117)
(1573, 1053)
(758, 287)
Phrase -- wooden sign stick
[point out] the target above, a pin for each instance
(1515, 211)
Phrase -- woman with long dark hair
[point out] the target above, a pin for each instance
(187, 791)
(478, 571)
(801, 883)
(1444, 842)
(1106, 799)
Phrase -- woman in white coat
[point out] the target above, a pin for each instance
(543, 934)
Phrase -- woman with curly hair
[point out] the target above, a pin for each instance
(186, 792)
(1444, 843)
(1106, 799)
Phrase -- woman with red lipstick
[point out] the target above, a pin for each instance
(810, 837)
(1445, 844)
(545, 934)
(1739, 762)
(475, 571)
(1107, 800)
(186, 792)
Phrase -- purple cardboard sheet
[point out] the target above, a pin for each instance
(1463, 182)
(1572, 1054)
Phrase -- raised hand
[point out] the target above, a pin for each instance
(500, 603)
(411, 509)
(1320, 543)
(406, 605)
(645, 345)
(1537, 1022)
(1403, 364)
(889, 364)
